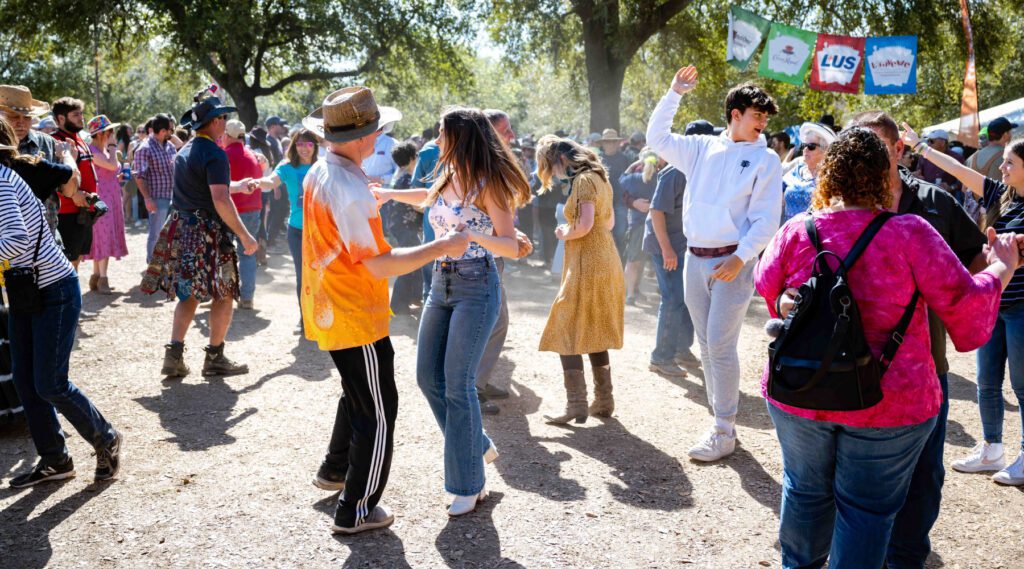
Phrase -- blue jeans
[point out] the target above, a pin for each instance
(909, 544)
(842, 488)
(40, 352)
(247, 263)
(1006, 343)
(675, 329)
(156, 223)
(619, 229)
(456, 323)
(295, 247)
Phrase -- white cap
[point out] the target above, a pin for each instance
(826, 134)
(234, 128)
(938, 133)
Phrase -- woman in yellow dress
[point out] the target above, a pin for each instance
(586, 317)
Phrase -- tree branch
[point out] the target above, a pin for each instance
(649, 22)
(371, 60)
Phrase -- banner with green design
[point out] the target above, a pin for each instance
(787, 54)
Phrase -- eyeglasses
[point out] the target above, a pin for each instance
(811, 146)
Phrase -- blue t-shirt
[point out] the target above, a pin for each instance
(668, 198)
(634, 185)
(423, 177)
(292, 177)
(198, 165)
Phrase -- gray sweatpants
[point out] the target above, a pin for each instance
(717, 309)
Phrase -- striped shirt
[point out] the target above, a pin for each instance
(21, 220)
(1011, 220)
(154, 164)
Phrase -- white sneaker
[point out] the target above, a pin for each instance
(1012, 475)
(716, 444)
(984, 457)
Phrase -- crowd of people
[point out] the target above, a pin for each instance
(717, 213)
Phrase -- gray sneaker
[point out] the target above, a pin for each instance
(380, 517)
(667, 369)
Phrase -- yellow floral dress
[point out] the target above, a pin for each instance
(587, 314)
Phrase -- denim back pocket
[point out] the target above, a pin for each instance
(471, 272)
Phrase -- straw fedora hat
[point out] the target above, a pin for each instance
(349, 114)
(19, 99)
(610, 135)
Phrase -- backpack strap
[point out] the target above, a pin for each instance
(812, 232)
(896, 338)
(865, 238)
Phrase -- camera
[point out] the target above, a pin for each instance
(97, 209)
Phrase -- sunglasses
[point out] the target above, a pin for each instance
(305, 144)
(811, 146)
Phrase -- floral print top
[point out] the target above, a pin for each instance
(797, 187)
(906, 254)
(445, 218)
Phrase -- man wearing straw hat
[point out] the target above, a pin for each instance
(345, 268)
(18, 108)
(195, 258)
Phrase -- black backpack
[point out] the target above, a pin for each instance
(821, 360)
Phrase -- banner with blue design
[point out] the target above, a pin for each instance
(890, 65)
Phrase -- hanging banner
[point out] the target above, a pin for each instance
(746, 31)
(787, 54)
(838, 62)
(891, 64)
(969, 121)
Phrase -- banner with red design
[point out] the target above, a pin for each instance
(838, 64)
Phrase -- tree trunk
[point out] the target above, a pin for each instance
(604, 87)
(247, 111)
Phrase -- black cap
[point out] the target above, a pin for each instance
(1000, 126)
(699, 127)
(276, 120)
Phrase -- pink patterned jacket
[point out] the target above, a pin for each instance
(906, 253)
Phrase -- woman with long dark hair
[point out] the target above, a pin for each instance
(1003, 201)
(479, 186)
(587, 315)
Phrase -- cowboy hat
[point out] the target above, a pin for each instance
(350, 114)
(609, 135)
(204, 111)
(18, 99)
(99, 124)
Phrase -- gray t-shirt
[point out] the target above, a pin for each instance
(199, 165)
(668, 198)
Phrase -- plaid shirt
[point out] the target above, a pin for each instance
(155, 165)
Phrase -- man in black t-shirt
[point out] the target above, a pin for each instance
(199, 232)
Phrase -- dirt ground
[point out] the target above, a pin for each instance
(216, 473)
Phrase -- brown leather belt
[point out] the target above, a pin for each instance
(710, 253)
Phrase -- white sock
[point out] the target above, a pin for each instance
(726, 424)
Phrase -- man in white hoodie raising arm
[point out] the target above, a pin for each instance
(731, 209)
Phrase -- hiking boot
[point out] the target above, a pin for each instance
(108, 459)
(174, 360)
(576, 399)
(45, 473)
(494, 392)
(329, 479)
(218, 364)
(380, 517)
(604, 403)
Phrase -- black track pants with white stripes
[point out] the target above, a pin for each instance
(364, 428)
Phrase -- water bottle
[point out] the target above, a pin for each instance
(126, 172)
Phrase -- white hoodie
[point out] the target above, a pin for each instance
(733, 189)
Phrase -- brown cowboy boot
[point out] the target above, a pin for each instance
(94, 281)
(103, 286)
(576, 395)
(604, 404)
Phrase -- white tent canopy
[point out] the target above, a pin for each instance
(1013, 111)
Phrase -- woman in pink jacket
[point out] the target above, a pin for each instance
(846, 473)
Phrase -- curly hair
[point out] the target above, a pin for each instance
(855, 171)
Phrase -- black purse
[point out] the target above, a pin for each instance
(22, 284)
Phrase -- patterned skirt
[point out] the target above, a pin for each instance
(194, 257)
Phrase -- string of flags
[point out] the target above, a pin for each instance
(836, 63)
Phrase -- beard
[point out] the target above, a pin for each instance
(72, 127)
